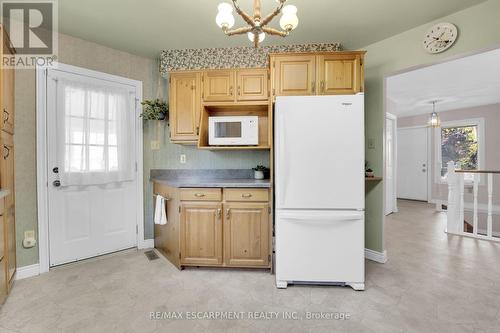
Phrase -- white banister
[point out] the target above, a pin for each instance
(475, 222)
(490, 205)
(456, 205)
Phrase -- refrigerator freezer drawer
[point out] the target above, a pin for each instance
(320, 246)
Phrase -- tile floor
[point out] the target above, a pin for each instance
(431, 283)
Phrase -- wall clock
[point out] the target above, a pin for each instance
(440, 37)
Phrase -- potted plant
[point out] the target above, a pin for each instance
(260, 171)
(368, 172)
(154, 110)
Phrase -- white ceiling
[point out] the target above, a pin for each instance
(146, 27)
(462, 83)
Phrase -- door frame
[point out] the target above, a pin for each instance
(429, 157)
(394, 162)
(41, 155)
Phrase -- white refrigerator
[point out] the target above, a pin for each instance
(320, 190)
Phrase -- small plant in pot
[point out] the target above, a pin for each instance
(154, 110)
(260, 172)
(368, 172)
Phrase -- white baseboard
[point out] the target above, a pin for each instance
(380, 257)
(147, 244)
(27, 271)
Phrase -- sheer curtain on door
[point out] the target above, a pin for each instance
(95, 128)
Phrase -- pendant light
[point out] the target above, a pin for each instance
(434, 120)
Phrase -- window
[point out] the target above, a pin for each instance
(461, 142)
(95, 121)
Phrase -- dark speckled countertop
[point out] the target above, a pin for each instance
(208, 178)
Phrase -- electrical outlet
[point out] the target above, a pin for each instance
(155, 145)
(371, 144)
(183, 159)
(29, 240)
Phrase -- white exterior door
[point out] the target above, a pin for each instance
(87, 220)
(412, 163)
(319, 147)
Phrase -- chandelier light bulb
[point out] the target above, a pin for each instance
(289, 20)
(251, 36)
(225, 18)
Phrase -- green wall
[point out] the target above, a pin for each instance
(479, 28)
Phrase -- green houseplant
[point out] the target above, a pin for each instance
(155, 109)
(260, 172)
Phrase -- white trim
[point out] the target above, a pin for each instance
(394, 162)
(27, 271)
(41, 155)
(380, 257)
(147, 244)
(481, 157)
(469, 207)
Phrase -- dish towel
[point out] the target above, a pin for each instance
(160, 213)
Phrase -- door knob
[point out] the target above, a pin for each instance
(56, 183)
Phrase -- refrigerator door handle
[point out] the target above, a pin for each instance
(282, 156)
(321, 218)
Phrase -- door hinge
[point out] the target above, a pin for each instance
(180, 255)
(269, 258)
(269, 76)
(136, 229)
(179, 209)
(269, 210)
(274, 64)
(135, 166)
(274, 92)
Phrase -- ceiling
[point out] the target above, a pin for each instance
(145, 27)
(462, 83)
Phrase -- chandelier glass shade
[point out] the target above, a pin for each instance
(257, 28)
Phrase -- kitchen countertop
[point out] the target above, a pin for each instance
(229, 178)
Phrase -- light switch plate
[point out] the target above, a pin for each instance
(183, 159)
(371, 144)
(155, 145)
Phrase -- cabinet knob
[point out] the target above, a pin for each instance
(6, 152)
(230, 90)
(246, 195)
(228, 213)
(56, 183)
(219, 213)
(313, 87)
(199, 195)
(6, 116)
(322, 86)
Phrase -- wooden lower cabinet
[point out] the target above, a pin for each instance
(3, 281)
(246, 234)
(215, 227)
(201, 233)
(10, 230)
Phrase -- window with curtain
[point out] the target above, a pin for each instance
(95, 124)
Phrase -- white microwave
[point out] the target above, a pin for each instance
(233, 131)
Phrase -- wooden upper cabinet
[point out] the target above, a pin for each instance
(218, 86)
(201, 233)
(252, 85)
(294, 75)
(185, 106)
(7, 84)
(246, 230)
(339, 74)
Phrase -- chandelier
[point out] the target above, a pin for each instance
(257, 25)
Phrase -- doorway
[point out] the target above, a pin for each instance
(90, 158)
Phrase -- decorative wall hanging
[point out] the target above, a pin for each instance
(232, 57)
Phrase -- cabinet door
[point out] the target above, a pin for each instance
(218, 86)
(10, 242)
(201, 233)
(294, 75)
(185, 106)
(7, 123)
(7, 167)
(339, 74)
(252, 85)
(246, 234)
(2, 238)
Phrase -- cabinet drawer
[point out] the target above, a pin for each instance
(201, 194)
(242, 194)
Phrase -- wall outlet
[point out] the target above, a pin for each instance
(155, 145)
(183, 159)
(371, 144)
(29, 240)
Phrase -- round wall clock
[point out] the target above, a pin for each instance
(440, 37)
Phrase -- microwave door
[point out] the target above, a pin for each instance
(227, 130)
